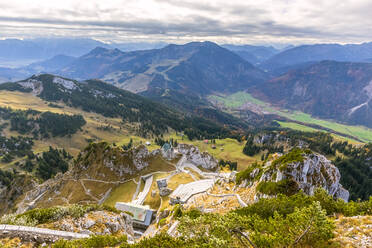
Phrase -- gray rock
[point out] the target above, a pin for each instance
(316, 171)
(194, 156)
(164, 191)
(89, 224)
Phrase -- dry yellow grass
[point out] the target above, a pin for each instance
(180, 178)
(154, 201)
(122, 193)
(119, 133)
(14, 242)
(353, 232)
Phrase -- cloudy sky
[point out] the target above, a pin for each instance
(179, 21)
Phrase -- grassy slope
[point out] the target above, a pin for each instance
(299, 127)
(122, 193)
(240, 98)
(16, 100)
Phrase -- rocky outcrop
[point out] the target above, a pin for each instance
(140, 156)
(126, 162)
(307, 172)
(193, 155)
(316, 171)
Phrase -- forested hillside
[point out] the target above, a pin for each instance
(96, 96)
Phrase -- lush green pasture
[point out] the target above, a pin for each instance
(240, 98)
(299, 127)
(237, 99)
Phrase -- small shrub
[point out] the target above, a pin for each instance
(97, 241)
(177, 211)
(295, 155)
(162, 222)
(286, 186)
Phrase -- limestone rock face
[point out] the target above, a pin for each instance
(136, 160)
(316, 171)
(194, 156)
(140, 157)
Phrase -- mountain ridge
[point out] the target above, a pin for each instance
(190, 67)
(328, 89)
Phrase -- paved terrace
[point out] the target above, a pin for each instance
(184, 191)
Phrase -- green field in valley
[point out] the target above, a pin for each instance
(238, 99)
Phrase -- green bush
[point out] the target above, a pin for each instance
(295, 155)
(285, 186)
(177, 211)
(193, 213)
(162, 222)
(46, 215)
(161, 240)
(284, 205)
(97, 241)
(245, 174)
(303, 227)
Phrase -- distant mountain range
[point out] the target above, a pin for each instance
(18, 52)
(331, 90)
(184, 75)
(253, 54)
(319, 52)
(198, 67)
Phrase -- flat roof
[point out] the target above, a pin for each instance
(140, 212)
(185, 191)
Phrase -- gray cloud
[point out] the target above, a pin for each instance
(297, 21)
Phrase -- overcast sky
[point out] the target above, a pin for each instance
(179, 21)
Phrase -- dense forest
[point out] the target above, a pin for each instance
(47, 164)
(152, 118)
(14, 147)
(355, 168)
(6, 177)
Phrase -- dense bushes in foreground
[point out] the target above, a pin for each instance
(285, 221)
(97, 241)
